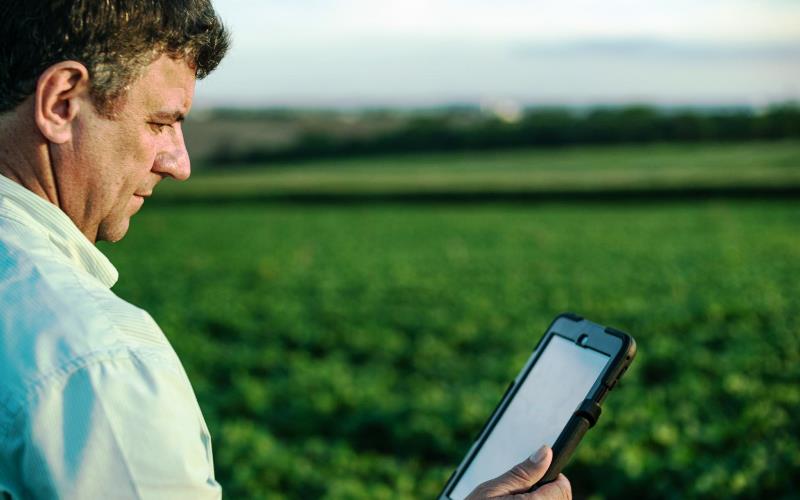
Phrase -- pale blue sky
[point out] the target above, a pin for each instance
(418, 53)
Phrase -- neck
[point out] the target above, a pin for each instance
(25, 158)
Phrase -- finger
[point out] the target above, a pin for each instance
(560, 489)
(521, 477)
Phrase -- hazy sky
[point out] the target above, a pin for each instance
(415, 52)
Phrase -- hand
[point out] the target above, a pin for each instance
(515, 483)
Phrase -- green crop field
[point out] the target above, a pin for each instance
(352, 352)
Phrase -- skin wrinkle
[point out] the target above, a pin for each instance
(565, 492)
(49, 184)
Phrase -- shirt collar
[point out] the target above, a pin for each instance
(59, 228)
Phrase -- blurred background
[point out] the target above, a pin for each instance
(391, 200)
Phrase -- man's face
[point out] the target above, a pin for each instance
(114, 164)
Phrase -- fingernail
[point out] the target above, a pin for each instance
(539, 455)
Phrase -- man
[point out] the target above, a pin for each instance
(94, 403)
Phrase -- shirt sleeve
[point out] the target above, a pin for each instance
(117, 428)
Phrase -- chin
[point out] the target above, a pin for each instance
(113, 232)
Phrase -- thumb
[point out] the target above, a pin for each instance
(521, 477)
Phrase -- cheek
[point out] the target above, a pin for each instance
(146, 148)
(133, 164)
(128, 154)
(141, 156)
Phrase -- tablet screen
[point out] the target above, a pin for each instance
(559, 381)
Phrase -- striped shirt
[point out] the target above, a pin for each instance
(94, 402)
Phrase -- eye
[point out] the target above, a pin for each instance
(159, 127)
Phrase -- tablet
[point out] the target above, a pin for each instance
(554, 400)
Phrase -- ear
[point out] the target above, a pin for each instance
(59, 94)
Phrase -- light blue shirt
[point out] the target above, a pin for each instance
(94, 403)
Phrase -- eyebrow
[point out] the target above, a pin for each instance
(171, 116)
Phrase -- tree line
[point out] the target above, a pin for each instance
(543, 128)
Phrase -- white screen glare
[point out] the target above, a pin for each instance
(559, 381)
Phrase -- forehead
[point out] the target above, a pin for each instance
(166, 83)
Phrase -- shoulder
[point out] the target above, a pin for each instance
(54, 318)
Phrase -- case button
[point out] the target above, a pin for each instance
(590, 411)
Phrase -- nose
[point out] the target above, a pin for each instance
(174, 160)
